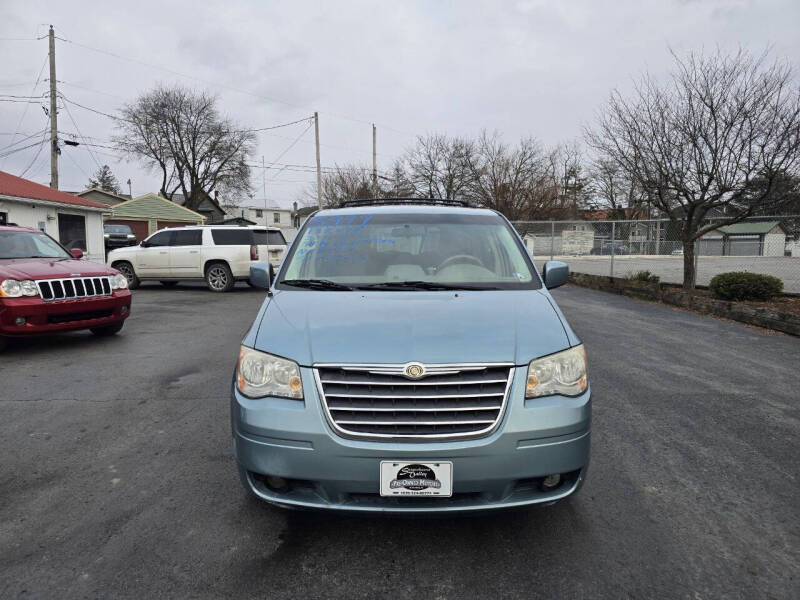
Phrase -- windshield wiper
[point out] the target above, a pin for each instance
(422, 285)
(317, 284)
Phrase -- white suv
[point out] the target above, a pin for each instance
(219, 254)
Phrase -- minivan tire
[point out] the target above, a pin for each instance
(126, 269)
(219, 277)
(107, 331)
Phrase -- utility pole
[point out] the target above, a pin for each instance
(54, 151)
(319, 167)
(374, 159)
(264, 184)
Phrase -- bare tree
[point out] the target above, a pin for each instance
(614, 189)
(347, 182)
(512, 180)
(181, 134)
(718, 137)
(570, 180)
(438, 167)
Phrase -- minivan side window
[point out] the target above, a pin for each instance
(232, 237)
(187, 237)
(159, 239)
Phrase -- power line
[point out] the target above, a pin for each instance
(71, 118)
(38, 152)
(10, 152)
(75, 162)
(94, 110)
(19, 141)
(25, 112)
(224, 86)
(116, 118)
(304, 120)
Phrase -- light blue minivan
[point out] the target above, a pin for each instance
(408, 358)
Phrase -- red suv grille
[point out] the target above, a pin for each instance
(74, 287)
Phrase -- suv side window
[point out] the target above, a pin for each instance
(272, 238)
(187, 237)
(232, 237)
(159, 239)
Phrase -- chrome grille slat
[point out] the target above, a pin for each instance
(408, 382)
(415, 408)
(71, 288)
(404, 397)
(379, 401)
(416, 423)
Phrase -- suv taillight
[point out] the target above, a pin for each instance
(253, 252)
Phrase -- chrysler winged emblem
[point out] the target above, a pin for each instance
(414, 370)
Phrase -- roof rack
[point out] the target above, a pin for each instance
(395, 201)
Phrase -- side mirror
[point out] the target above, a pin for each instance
(555, 273)
(261, 275)
(77, 253)
(144, 244)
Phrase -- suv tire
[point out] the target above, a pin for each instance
(107, 331)
(126, 269)
(219, 277)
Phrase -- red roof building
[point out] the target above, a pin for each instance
(11, 185)
(75, 222)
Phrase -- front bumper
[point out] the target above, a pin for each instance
(62, 315)
(293, 440)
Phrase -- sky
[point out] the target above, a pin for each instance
(525, 68)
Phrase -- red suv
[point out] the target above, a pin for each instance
(45, 288)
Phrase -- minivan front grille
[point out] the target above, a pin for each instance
(74, 287)
(379, 401)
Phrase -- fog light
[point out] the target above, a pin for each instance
(551, 481)
(20, 321)
(276, 484)
(124, 310)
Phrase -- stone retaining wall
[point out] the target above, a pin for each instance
(658, 292)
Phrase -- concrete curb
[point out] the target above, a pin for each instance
(753, 315)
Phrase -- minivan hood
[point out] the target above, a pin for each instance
(314, 327)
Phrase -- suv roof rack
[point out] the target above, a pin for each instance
(392, 201)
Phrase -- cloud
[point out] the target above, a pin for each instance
(536, 67)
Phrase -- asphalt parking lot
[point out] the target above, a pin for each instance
(117, 478)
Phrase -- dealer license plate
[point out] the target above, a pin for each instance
(416, 478)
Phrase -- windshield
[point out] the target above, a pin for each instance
(26, 244)
(416, 250)
(117, 229)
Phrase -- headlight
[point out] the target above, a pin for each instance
(118, 282)
(561, 373)
(259, 374)
(105, 235)
(131, 236)
(11, 288)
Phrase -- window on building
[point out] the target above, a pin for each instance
(276, 217)
(259, 213)
(72, 231)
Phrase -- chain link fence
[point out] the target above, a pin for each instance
(765, 245)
